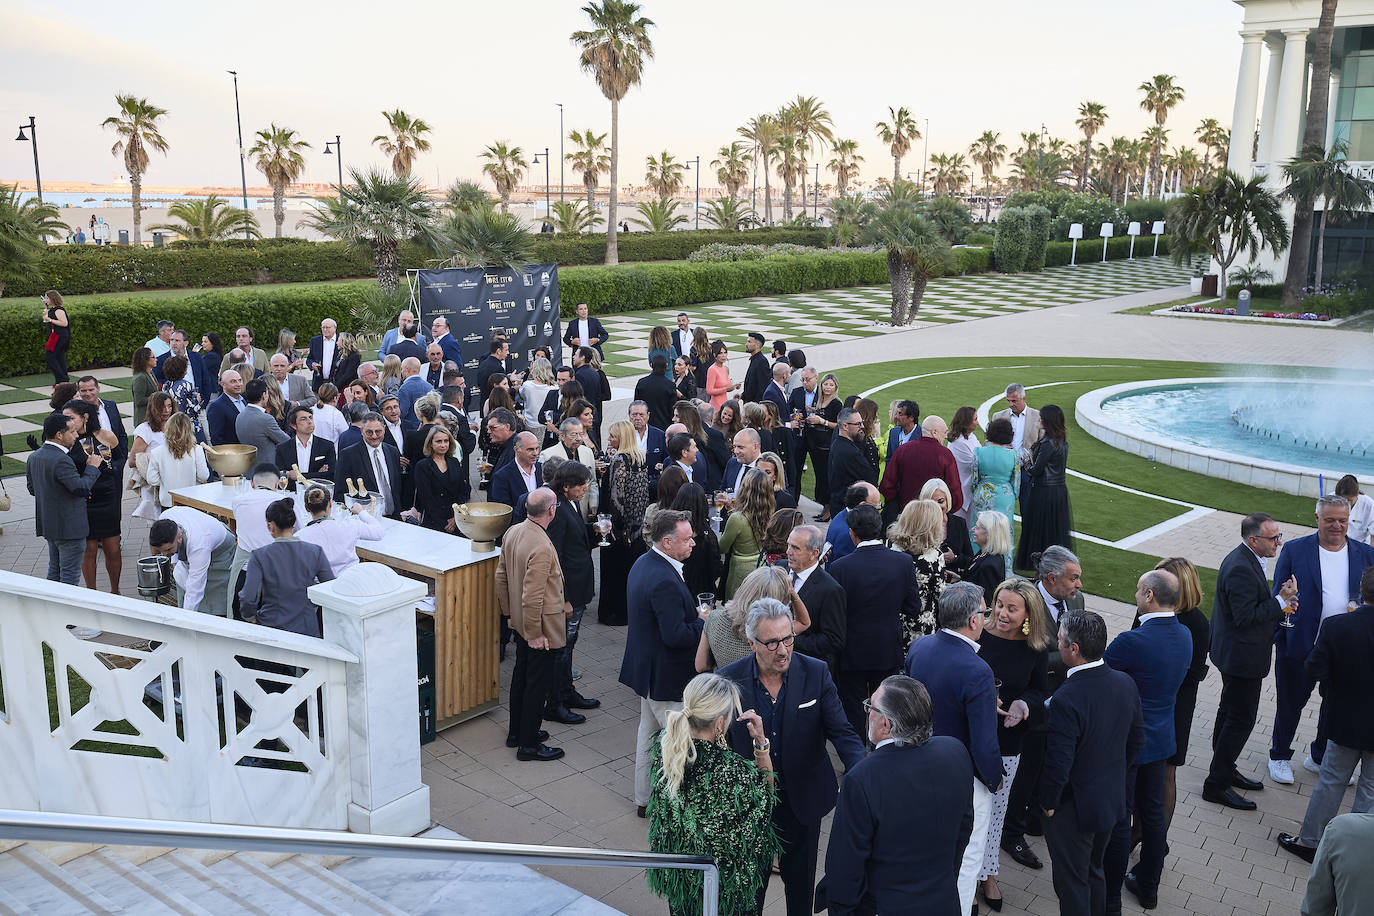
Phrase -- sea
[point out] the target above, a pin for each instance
(62, 199)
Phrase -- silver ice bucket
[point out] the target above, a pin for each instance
(154, 577)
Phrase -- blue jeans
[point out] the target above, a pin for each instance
(563, 680)
(64, 559)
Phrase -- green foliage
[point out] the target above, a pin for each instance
(950, 218)
(1092, 210)
(24, 227)
(980, 238)
(1054, 201)
(1057, 254)
(972, 260)
(486, 237)
(210, 220)
(658, 215)
(1144, 212)
(1251, 276)
(730, 213)
(1037, 236)
(574, 216)
(1013, 239)
(719, 251)
(376, 310)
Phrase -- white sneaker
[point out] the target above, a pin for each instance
(1281, 772)
(1311, 765)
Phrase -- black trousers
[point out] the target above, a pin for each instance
(854, 687)
(1021, 812)
(56, 361)
(797, 863)
(530, 684)
(820, 468)
(1076, 859)
(1236, 712)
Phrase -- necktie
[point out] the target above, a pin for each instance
(383, 485)
(1062, 608)
(795, 579)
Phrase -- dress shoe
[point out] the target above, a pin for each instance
(1148, 900)
(542, 752)
(641, 811)
(1230, 798)
(515, 742)
(1021, 853)
(578, 701)
(1246, 783)
(564, 716)
(994, 903)
(1281, 771)
(1290, 843)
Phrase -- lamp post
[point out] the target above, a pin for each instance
(816, 192)
(925, 149)
(336, 151)
(32, 138)
(696, 215)
(243, 171)
(561, 160)
(546, 182)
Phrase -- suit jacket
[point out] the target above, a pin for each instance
(848, 466)
(1301, 558)
(664, 629)
(659, 392)
(453, 350)
(507, 484)
(1155, 655)
(488, 367)
(879, 587)
(393, 337)
(260, 429)
(121, 449)
(297, 390)
(1033, 431)
(757, 377)
(655, 453)
(351, 436)
(813, 437)
(824, 600)
(1244, 615)
(59, 493)
(987, 571)
(915, 463)
(875, 861)
(779, 397)
(411, 390)
(590, 381)
(682, 343)
(1057, 669)
(404, 349)
(356, 461)
(321, 458)
(314, 358)
(730, 480)
(594, 329)
(717, 454)
(222, 415)
(894, 436)
(529, 585)
(195, 371)
(964, 697)
(811, 715)
(569, 533)
(1340, 660)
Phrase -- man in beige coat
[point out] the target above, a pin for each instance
(529, 589)
(1025, 428)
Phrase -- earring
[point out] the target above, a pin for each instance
(720, 739)
(1025, 627)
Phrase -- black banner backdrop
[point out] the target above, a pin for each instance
(481, 301)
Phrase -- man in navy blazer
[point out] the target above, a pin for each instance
(662, 636)
(1156, 656)
(1308, 559)
(964, 697)
(88, 390)
(879, 589)
(1095, 731)
(195, 368)
(651, 440)
(508, 482)
(585, 331)
(796, 699)
(907, 427)
(223, 412)
(777, 389)
(746, 455)
(875, 862)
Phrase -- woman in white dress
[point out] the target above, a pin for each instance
(962, 442)
(149, 436)
(329, 422)
(179, 463)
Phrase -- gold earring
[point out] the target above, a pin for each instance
(720, 739)
(1025, 627)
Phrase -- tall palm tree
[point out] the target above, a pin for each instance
(277, 154)
(762, 131)
(1210, 134)
(405, 142)
(614, 51)
(25, 229)
(1091, 117)
(947, 173)
(787, 154)
(732, 168)
(845, 165)
(505, 167)
(664, 174)
(988, 151)
(1227, 218)
(137, 128)
(1161, 95)
(813, 124)
(213, 219)
(1115, 164)
(1185, 161)
(898, 132)
(590, 158)
(1154, 139)
(1318, 174)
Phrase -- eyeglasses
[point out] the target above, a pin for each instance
(772, 644)
(869, 707)
(1266, 537)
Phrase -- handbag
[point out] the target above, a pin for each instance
(4, 498)
(53, 338)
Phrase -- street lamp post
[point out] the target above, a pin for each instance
(243, 170)
(546, 182)
(337, 151)
(816, 192)
(925, 150)
(33, 138)
(560, 150)
(697, 215)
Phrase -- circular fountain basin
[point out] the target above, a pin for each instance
(1292, 435)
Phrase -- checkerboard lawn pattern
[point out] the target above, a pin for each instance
(24, 405)
(827, 316)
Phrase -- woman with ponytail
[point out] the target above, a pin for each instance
(709, 801)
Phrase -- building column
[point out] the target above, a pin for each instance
(1247, 95)
(1271, 100)
(1288, 115)
(1331, 102)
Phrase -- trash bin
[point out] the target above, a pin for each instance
(157, 239)
(1243, 302)
(124, 236)
(424, 669)
(1209, 285)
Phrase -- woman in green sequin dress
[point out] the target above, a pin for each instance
(709, 801)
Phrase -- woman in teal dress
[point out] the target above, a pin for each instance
(660, 343)
(709, 801)
(997, 475)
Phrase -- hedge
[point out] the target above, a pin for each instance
(1013, 239)
(1090, 250)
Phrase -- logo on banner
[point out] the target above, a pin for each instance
(529, 305)
(493, 303)
(548, 302)
(473, 309)
(510, 332)
(529, 279)
(548, 327)
(544, 277)
(474, 337)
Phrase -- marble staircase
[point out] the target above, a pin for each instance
(66, 879)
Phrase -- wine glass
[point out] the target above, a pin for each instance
(603, 526)
(717, 500)
(1289, 610)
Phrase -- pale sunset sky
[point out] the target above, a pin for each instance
(484, 71)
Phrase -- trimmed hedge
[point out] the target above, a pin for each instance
(1013, 240)
(1037, 236)
(1090, 250)
(572, 250)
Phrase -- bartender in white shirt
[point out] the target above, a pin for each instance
(337, 537)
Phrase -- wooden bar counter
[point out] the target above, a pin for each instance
(466, 616)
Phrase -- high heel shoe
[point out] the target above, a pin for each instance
(994, 903)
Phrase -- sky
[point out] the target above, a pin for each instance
(482, 72)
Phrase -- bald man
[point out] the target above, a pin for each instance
(322, 359)
(921, 459)
(747, 450)
(413, 387)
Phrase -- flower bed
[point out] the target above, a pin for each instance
(1290, 316)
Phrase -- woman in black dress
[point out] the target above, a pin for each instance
(348, 359)
(683, 379)
(822, 419)
(992, 565)
(772, 465)
(103, 509)
(956, 546)
(58, 340)
(624, 496)
(212, 354)
(440, 481)
(1045, 511)
(701, 570)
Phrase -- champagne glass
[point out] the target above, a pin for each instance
(1289, 610)
(603, 525)
(717, 499)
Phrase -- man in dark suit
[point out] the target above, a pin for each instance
(493, 363)
(662, 636)
(921, 459)
(411, 344)
(305, 450)
(717, 451)
(757, 376)
(377, 462)
(1243, 618)
(822, 595)
(195, 368)
(88, 390)
(513, 479)
(809, 441)
(1156, 656)
(1309, 559)
(322, 358)
(224, 410)
(848, 465)
(570, 534)
(587, 376)
(795, 697)
(405, 321)
(1340, 661)
(907, 427)
(964, 697)
(879, 589)
(585, 331)
(448, 344)
(875, 862)
(1095, 731)
(746, 457)
(651, 440)
(682, 451)
(255, 426)
(837, 532)
(656, 390)
(59, 497)
(777, 389)
(682, 335)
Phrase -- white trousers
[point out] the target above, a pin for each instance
(973, 852)
(653, 716)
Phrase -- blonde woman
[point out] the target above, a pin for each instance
(391, 375)
(992, 537)
(625, 495)
(346, 361)
(707, 800)
(179, 463)
(722, 638)
(773, 466)
(742, 540)
(536, 390)
(955, 545)
(918, 531)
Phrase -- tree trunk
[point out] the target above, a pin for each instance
(787, 197)
(918, 292)
(1321, 248)
(279, 206)
(505, 199)
(899, 272)
(1313, 134)
(612, 248)
(136, 198)
(896, 170)
(803, 177)
(591, 204)
(767, 198)
(1087, 162)
(987, 199)
(387, 264)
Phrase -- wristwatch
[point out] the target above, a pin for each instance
(763, 748)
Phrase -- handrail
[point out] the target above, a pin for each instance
(39, 826)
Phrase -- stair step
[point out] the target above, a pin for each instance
(179, 872)
(131, 887)
(339, 894)
(257, 883)
(46, 887)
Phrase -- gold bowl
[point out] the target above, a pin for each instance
(230, 461)
(482, 522)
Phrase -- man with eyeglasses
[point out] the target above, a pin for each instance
(796, 699)
(848, 465)
(1244, 615)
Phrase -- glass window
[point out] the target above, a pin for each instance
(1363, 109)
(1361, 141)
(1345, 103)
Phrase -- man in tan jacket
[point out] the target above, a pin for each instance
(529, 589)
(1025, 428)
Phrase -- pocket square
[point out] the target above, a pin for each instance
(806, 704)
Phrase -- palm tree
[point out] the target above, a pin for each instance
(485, 238)
(658, 215)
(505, 167)
(213, 219)
(730, 213)
(573, 216)
(732, 169)
(1210, 134)
(590, 158)
(1161, 95)
(1091, 117)
(813, 124)
(379, 211)
(664, 174)
(1187, 163)
(24, 230)
(848, 214)
(406, 141)
(949, 172)
(845, 165)
(915, 250)
(898, 132)
(614, 51)
(988, 151)
(466, 196)
(1227, 218)
(1318, 174)
(277, 155)
(1115, 164)
(762, 131)
(787, 154)
(1154, 139)
(137, 129)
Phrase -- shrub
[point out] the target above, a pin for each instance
(1013, 239)
(1144, 211)
(978, 237)
(1037, 236)
(1092, 210)
(1090, 250)
(719, 251)
(972, 260)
